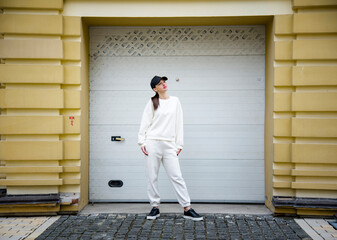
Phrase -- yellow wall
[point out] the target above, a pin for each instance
(44, 81)
(41, 149)
(305, 103)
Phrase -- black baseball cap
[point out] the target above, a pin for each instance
(156, 79)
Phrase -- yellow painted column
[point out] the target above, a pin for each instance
(71, 112)
(283, 113)
(305, 104)
(40, 102)
(314, 153)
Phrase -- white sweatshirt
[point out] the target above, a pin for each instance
(166, 123)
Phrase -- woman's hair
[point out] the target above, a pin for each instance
(155, 100)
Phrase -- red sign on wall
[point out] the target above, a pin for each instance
(72, 120)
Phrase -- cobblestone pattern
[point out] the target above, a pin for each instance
(173, 226)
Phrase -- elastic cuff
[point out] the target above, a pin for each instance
(155, 204)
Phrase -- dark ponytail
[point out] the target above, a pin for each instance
(155, 100)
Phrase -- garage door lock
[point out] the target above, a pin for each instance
(117, 138)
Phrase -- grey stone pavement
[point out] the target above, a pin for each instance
(128, 221)
(173, 226)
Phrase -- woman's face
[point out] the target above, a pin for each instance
(161, 86)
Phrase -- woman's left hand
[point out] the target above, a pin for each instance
(179, 150)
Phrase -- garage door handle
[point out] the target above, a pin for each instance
(117, 138)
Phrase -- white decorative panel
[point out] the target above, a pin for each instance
(177, 41)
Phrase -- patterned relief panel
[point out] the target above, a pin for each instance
(177, 41)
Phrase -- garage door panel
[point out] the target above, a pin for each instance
(243, 96)
(220, 181)
(103, 195)
(245, 99)
(248, 194)
(208, 108)
(126, 184)
(221, 171)
(207, 116)
(103, 147)
(222, 132)
(201, 142)
(197, 115)
(192, 72)
(218, 116)
(188, 176)
(225, 165)
(228, 179)
(228, 196)
(136, 194)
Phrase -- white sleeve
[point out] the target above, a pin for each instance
(145, 122)
(179, 127)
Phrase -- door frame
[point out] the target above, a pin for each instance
(267, 21)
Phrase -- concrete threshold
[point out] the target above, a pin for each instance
(258, 209)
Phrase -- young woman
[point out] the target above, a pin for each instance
(161, 139)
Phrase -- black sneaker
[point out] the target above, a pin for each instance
(191, 214)
(153, 214)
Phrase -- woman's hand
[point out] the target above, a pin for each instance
(144, 150)
(179, 150)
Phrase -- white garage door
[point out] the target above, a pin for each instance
(218, 74)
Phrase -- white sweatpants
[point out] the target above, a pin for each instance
(165, 152)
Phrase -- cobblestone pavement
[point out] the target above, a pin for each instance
(173, 226)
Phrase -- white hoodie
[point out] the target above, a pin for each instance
(166, 123)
